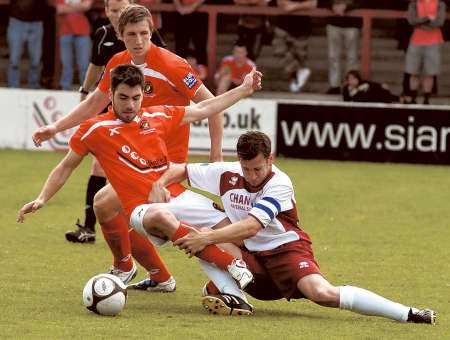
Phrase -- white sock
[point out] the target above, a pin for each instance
(365, 302)
(222, 279)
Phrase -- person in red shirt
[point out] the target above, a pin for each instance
(168, 80)
(233, 68)
(74, 37)
(129, 143)
(423, 56)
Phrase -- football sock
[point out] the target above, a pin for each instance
(365, 302)
(148, 257)
(222, 280)
(211, 253)
(95, 183)
(426, 98)
(115, 232)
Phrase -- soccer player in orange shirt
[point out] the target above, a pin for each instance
(168, 80)
(129, 143)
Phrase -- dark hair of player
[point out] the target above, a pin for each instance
(251, 143)
(133, 14)
(126, 74)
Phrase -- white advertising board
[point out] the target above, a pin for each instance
(23, 111)
(248, 114)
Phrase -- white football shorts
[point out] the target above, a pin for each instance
(190, 207)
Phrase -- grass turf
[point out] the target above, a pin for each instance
(382, 227)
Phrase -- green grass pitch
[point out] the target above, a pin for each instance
(383, 227)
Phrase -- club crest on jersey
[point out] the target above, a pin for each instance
(233, 180)
(145, 126)
(148, 87)
(190, 80)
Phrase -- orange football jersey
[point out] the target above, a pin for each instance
(134, 154)
(169, 80)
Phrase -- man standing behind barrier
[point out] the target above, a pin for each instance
(343, 37)
(25, 26)
(291, 41)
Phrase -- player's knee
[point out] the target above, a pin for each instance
(325, 296)
(161, 219)
(105, 206)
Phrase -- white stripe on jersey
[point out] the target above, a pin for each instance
(102, 123)
(155, 74)
(156, 114)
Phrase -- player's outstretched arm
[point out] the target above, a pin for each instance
(175, 174)
(55, 181)
(210, 107)
(86, 109)
(215, 126)
(197, 240)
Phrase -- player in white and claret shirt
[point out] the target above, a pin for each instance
(258, 199)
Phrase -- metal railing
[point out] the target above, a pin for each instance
(367, 16)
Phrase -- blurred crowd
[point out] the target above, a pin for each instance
(34, 24)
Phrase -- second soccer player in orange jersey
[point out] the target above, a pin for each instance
(168, 80)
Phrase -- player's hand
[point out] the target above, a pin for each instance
(30, 207)
(43, 133)
(252, 81)
(159, 194)
(193, 242)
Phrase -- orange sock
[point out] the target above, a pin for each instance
(115, 233)
(211, 253)
(148, 257)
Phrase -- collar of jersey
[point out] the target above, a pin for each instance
(251, 189)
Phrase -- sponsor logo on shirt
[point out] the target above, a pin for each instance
(114, 131)
(190, 80)
(303, 264)
(108, 43)
(240, 201)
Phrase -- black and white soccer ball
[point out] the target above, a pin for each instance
(105, 294)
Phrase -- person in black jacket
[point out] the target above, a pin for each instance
(356, 89)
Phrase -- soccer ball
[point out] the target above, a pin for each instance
(105, 294)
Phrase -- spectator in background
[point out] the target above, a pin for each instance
(356, 89)
(200, 70)
(343, 36)
(252, 28)
(233, 68)
(191, 25)
(423, 56)
(25, 27)
(290, 41)
(74, 33)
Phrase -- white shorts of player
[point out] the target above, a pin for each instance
(190, 207)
